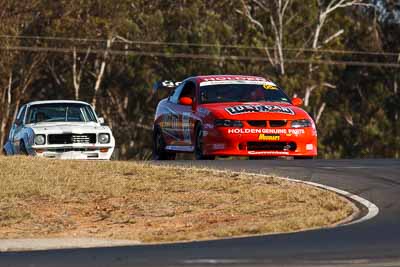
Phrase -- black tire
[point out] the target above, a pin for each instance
(303, 157)
(198, 146)
(4, 152)
(159, 152)
(22, 148)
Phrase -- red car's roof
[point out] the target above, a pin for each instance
(229, 77)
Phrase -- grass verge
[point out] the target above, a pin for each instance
(140, 201)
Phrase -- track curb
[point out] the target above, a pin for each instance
(372, 209)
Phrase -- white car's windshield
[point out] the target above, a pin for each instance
(60, 112)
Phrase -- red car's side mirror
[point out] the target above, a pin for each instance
(187, 101)
(297, 101)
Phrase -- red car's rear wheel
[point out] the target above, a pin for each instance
(159, 152)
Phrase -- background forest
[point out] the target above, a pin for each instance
(341, 56)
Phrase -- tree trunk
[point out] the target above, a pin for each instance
(320, 111)
(100, 73)
(75, 76)
(307, 95)
(5, 118)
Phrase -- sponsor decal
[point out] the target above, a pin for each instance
(269, 137)
(204, 111)
(268, 153)
(257, 131)
(208, 126)
(186, 126)
(241, 109)
(287, 132)
(309, 147)
(231, 82)
(218, 146)
(270, 86)
(180, 148)
(234, 78)
(170, 84)
(295, 132)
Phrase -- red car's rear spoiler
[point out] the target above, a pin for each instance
(168, 85)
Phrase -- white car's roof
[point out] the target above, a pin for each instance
(56, 102)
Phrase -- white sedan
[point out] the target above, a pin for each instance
(60, 129)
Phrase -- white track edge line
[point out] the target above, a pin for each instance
(373, 209)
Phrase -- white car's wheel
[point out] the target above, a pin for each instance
(22, 148)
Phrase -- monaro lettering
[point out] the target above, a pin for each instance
(240, 109)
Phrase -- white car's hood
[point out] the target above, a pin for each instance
(71, 127)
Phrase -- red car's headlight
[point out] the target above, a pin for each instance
(228, 123)
(301, 123)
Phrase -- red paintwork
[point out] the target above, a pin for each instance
(187, 101)
(178, 123)
(297, 102)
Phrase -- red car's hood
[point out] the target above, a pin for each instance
(256, 111)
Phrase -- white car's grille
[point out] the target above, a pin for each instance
(72, 139)
(80, 139)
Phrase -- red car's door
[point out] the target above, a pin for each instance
(186, 116)
(178, 120)
(182, 129)
(171, 120)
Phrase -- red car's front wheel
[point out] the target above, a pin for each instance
(199, 145)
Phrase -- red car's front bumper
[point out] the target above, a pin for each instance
(260, 142)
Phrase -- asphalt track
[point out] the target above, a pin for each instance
(375, 242)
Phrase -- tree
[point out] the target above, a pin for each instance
(19, 68)
(110, 53)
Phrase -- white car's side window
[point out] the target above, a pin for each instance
(17, 123)
(21, 114)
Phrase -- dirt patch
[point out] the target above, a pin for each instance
(141, 201)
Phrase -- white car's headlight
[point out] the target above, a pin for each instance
(40, 139)
(104, 138)
(301, 123)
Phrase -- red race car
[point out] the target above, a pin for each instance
(227, 115)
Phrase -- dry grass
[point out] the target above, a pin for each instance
(140, 201)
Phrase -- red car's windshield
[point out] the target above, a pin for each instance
(241, 93)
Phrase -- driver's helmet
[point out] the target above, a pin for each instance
(257, 94)
(40, 116)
